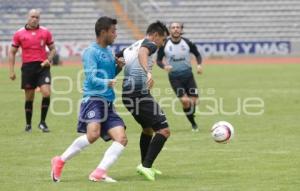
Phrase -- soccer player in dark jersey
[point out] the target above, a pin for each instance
(177, 51)
(138, 100)
(98, 117)
(33, 40)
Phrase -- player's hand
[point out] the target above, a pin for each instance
(168, 68)
(150, 81)
(46, 63)
(199, 69)
(12, 75)
(112, 83)
(120, 61)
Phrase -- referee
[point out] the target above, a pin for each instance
(33, 39)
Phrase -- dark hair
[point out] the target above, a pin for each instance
(104, 23)
(158, 27)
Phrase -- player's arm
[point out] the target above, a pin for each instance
(11, 62)
(52, 52)
(160, 56)
(194, 50)
(120, 61)
(143, 60)
(160, 60)
(91, 70)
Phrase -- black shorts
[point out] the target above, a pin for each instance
(184, 85)
(145, 110)
(33, 75)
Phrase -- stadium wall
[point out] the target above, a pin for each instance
(224, 49)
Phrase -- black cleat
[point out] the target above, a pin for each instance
(42, 126)
(195, 128)
(28, 128)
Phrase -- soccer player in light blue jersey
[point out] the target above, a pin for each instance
(177, 50)
(97, 116)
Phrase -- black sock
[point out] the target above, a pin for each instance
(144, 144)
(189, 112)
(28, 111)
(44, 108)
(155, 147)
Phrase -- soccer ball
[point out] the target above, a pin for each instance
(222, 132)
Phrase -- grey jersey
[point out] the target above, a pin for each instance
(135, 76)
(177, 54)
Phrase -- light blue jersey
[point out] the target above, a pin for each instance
(99, 67)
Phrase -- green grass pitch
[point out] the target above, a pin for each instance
(264, 154)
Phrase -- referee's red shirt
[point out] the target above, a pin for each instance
(33, 43)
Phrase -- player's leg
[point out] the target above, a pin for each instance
(145, 140)
(44, 82)
(156, 145)
(46, 92)
(192, 93)
(180, 87)
(152, 116)
(58, 162)
(28, 83)
(189, 110)
(29, 97)
(88, 123)
(117, 134)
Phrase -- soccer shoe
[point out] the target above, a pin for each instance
(156, 171)
(195, 128)
(100, 175)
(28, 128)
(148, 173)
(57, 166)
(43, 126)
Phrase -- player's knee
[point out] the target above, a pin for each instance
(122, 140)
(194, 101)
(165, 132)
(46, 94)
(93, 136)
(29, 95)
(185, 102)
(148, 131)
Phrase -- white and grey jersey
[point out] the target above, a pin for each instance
(177, 54)
(135, 77)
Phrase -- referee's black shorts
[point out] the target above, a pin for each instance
(145, 110)
(184, 86)
(34, 75)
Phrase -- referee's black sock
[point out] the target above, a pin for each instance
(155, 147)
(28, 111)
(44, 108)
(189, 112)
(144, 144)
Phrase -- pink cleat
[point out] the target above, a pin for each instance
(100, 175)
(57, 166)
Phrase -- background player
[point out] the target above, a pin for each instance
(138, 100)
(33, 39)
(177, 51)
(97, 115)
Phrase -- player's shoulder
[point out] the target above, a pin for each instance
(187, 40)
(93, 49)
(168, 41)
(44, 29)
(20, 30)
(147, 42)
